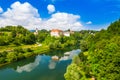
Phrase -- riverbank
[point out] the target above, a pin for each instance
(11, 53)
(16, 53)
(18, 43)
(42, 66)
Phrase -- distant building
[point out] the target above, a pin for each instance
(66, 34)
(36, 31)
(56, 32)
(71, 32)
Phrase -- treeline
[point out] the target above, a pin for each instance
(100, 56)
(61, 42)
(16, 35)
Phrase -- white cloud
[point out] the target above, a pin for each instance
(71, 54)
(21, 14)
(89, 22)
(26, 15)
(63, 21)
(29, 67)
(51, 8)
(1, 10)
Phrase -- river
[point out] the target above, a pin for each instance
(40, 67)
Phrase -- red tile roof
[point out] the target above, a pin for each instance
(56, 30)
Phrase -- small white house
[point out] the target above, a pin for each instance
(66, 34)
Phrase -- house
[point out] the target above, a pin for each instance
(56, 32)
(66, 34)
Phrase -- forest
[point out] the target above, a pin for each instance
(99, 58)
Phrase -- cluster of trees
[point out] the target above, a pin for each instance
(15, 55)
(41, 36)
(100, 56)
(61, 42)
(16, 35)
(44, 37)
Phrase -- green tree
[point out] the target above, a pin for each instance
(11, 57)
(100, 56)
(30, 39)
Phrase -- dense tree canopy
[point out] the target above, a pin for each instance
(100, 56)
(16, 35)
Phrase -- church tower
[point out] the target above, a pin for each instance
(36, 31)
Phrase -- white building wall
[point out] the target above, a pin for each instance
(66, 34)
(56, 34)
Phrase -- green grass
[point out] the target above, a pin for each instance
(12, 47)
(42, 49)
(36, 49)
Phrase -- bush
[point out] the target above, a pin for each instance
(19, 50)
(29, 50)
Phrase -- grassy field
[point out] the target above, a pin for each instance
(12, 47)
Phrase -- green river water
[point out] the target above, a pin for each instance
(40, 67)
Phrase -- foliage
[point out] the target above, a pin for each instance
(29, 50)
(100, 56)
(16, 35)
(73, 72)
(11, 57)
(42, 34)
(30, 39)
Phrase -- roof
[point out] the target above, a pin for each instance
(56, 30)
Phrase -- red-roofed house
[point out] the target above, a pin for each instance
(56, 32)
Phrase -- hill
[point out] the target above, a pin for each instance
(100, 56)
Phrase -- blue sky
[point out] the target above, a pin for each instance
(84, 14)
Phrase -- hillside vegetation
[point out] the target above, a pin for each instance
(100, 56)
(16, 35)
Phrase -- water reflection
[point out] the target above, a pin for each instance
(29, 67)
(52, 64)
(70, 55)
(41, 67)
(41, 59)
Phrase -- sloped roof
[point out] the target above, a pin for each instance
(56, 30)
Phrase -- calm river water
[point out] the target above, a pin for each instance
(40, 67)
